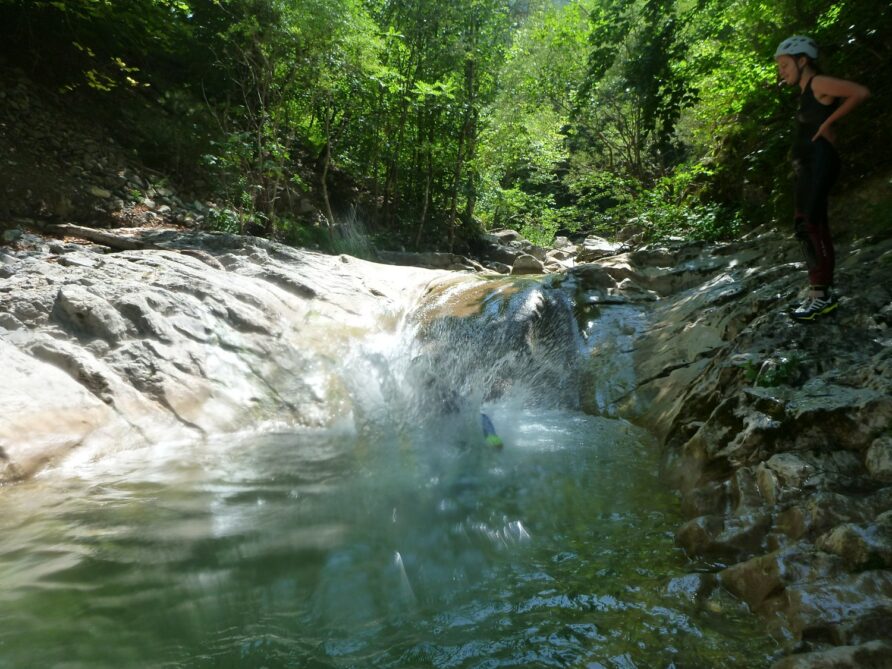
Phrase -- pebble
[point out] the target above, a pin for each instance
(100, 192)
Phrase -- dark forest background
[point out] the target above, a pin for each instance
(432, 121)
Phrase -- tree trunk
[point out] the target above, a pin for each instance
(456, 179)
(326, 162)
(471, 150)
(470, 87)
(427, 185)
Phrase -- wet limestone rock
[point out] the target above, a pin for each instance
(735, 537)
(839, 610)
(761, 577)
(861, 545)
(36, 395)
(817, 512)
(879, 459)
(193, 336)
(776, 435)
(870, 655)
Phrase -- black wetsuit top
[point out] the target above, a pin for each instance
(810, 117)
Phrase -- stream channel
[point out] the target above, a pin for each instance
(397, 537)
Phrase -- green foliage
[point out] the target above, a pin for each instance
(437, 118)
(677, 127)
(670, 208)
(225, 220)
(535, 216)
(524, 143)
(105, 44)
(773, 372)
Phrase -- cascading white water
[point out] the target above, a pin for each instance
(465, 350)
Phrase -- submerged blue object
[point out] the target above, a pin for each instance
(488, 428)
(489, 432)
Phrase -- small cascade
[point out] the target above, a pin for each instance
(469, 345)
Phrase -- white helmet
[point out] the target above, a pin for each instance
(798, 45)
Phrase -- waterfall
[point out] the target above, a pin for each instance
(468, 345)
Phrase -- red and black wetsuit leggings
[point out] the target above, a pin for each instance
(816, 172)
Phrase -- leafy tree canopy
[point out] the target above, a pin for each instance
(437, 120)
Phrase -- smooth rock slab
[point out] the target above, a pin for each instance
(45, 412)
(158, 345)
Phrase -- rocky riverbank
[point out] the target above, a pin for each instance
(777, 435)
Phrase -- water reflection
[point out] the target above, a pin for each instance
(338, 549)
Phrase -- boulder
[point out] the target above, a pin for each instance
(835, 607)
(710, 498)
(786, 476)
(561, 242)
(11, 235)
(499, 267)
(527, 264)
(879, 459)
(693, 588)
(819, 512)
(736, 537)
(504, 255)
(595, 248)
(96, 191)
(504, 236)
(559, 254)
(766, 576)
(861, 545)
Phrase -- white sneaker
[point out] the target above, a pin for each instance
(814, 307)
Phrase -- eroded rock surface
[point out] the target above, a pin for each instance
(777, 434)
(205, 334)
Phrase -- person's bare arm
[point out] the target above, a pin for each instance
(849, 92)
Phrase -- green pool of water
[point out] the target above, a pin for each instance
(384, 549)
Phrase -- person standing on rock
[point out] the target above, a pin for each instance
(823, 100)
